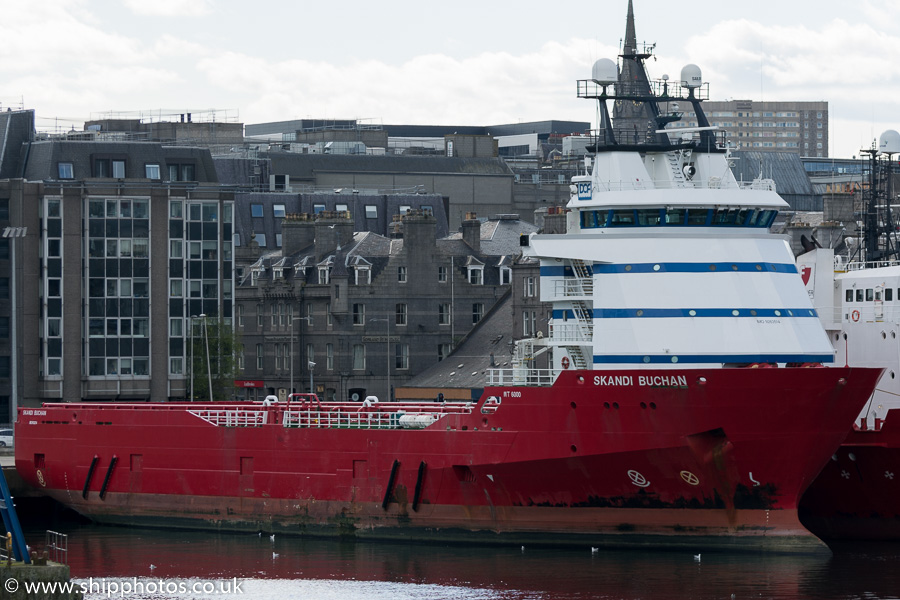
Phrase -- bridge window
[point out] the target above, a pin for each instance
(859, 295)
(888, 294)
(870, 296)
(622, 218)
(849, 296)
(675, 216)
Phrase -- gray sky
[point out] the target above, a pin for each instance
(461, 62)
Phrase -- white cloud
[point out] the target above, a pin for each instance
(170, 8)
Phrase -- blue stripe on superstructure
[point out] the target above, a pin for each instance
(658, 313)
(607, 359)
(663, 267)
(704, 267)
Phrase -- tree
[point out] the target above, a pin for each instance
(218, 364)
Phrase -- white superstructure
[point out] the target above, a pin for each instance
(668, 261)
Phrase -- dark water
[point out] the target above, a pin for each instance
(302, 568)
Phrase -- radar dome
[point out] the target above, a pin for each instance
(605, 72)
(691, 76)
(889, 142)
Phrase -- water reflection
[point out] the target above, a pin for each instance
(311, 568)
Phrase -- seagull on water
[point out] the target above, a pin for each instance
(272, 538)
(697, 557)
(152, 566)
(594, 550)
(274, 555)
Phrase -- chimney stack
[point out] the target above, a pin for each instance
(471, 231)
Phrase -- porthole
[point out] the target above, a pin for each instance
(735, 312)
(640, 313)
(692, 312)
(656, 267)
(628, 267)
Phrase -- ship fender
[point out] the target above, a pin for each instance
(90, 475)
(109, 472)
(390, 484)
(417, 495)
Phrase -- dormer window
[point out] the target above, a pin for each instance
(476, 274)
(505, 275)
(277, 272)
(254, 275)
(324, 275)
(363, 275)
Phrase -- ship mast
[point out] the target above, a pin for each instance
(878, 229)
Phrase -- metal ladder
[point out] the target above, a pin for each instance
(11, 521)
(584, 314)
(676, 166)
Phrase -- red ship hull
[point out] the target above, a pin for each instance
(695, 459)
(857, 494)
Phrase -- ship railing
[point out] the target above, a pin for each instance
(696, 182)
(236, 417)
(569, 332)
(520, 376)
(574, 287)
(353, 415)
(57, 545)
(872, 264)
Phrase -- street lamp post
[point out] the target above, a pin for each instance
(387, 321)
(208, 368)
(308, 322)
(192, 355)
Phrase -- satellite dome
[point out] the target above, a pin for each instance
(691, 77)
(889, 142)
(605, 72)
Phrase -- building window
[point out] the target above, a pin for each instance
(259, 357)
(401, 274)
(529, 287)
(505, 275)
(260, 315)
(444, 313)
(401, 314)
(66, 170)
(402, 356)
(359, 357)
(278, 211)
(443, 351)
(323, 275)
(328, 321)
(256, 210)
(477, 312)
(151, 171)
(118, 169)
(371, 211)
(529, 323)
(240, 315)
(359, 314)
(318, 208)
(261, 240)
(476, 275)
(442, 274)
(329, 356)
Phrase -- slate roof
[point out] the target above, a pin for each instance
(786, 169)
(467, 366)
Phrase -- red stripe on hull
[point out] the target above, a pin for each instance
(728, 454)
(857, 494)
